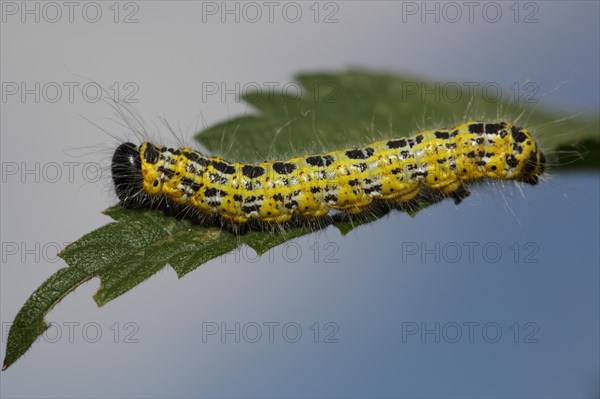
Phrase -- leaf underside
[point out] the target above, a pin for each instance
(336, 110)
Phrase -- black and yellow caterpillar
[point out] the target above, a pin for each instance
(308, 187)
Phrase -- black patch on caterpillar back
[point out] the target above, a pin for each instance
(194, 156)
(150, 155)
(376, 187)
(278, 197)
(186, 181)
(441, 135)
(284, 168)
(250, 208)
(212, 192)
(518, 134)
(360, 154)
(405, 154)
(223, 167)
(476, 128)
(492, 128)
(216, 178)
(292, 204)
(252, 171)
(355, 154)
(417, 175)
(168, 172)
(517, 147)
(191, 183)
(512, 161)
(331, 198)
(396, 143)
(320, 161)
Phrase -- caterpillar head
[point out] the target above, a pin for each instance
(126, 168)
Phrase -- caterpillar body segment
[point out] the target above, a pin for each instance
(308, 187)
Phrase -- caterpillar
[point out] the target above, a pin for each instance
(392, 171)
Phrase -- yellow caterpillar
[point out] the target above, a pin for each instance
(308, 187)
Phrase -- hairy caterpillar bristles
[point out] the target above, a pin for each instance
(384, 175)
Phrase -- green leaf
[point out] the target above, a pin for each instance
(340, 110)
(337, 110)
(29, 323)
(582, 154)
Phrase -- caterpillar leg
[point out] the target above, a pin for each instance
(459, 194)
(455, 190)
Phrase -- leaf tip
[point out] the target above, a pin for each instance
(100, 300)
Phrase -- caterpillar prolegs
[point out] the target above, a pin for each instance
(393, 171)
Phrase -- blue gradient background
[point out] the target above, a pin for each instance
(372, 291)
